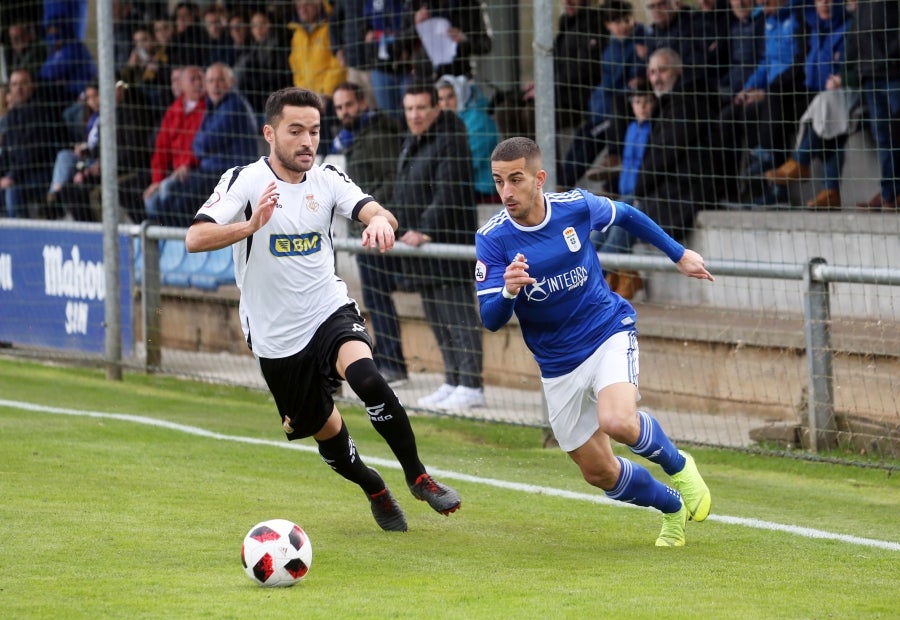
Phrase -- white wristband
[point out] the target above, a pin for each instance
(506, 294)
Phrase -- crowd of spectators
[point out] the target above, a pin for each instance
(761, 90)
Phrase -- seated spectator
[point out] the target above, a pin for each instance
(147, 70)
(774, 87)
(679, 27)
(617, 239)
(125, 21)
(263, 66)
(239, 33)
(173, 155)
(33, 132)
(463, 96)
(80, 158)
(678, 173)
(69, 67)
(620, 67)
(22, 50)
(745, 48)
(186, 46)
(217, 43)
(227, 137)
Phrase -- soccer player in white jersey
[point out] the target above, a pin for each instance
(535, 258)
(304, 330)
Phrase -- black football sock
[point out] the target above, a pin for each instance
(387, 415)
(340, 454)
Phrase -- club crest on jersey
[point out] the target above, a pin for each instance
(480, 271)
(572, 240)
(211, 200)
(311, 202)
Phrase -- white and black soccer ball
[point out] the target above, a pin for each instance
(276, 553)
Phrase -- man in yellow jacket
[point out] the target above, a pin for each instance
(312, 62)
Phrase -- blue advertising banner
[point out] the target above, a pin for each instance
(53, 291)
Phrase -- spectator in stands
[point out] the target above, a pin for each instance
(239, 32)
(620, 66)
(81, 157)
(577, 52)
(827, 25)
(745, 48)
(366, 36)
(79, 196)
(312, 61)
(227, 137)
(125, 22)
(434, 198)
(464, 97)
(173, 156)
(685, 30)
(217, 42)
(33, 133)
(678, 172)
(874, 54)
(370, 142)
(69, 66)
(617, 239)
(186, 46)
(774, 87)
(148, 70)
(263, 66)
(467, 29)
(23, 51)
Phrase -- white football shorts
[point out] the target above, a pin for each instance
(572, 398)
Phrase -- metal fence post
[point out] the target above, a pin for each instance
(151, 301)
(820, 377)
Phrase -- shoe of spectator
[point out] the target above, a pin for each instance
(433, 399)
(395, 378)
(787, 172)
(877, 203)
(629, 284)
(826, 199)
(463, 398)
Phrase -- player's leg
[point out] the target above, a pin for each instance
(616, 383)
(337, 449)
(355, 364)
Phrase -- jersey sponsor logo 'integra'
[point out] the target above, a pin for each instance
(295, 245)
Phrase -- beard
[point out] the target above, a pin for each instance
(286, 158)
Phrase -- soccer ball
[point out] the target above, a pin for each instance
(276, 553)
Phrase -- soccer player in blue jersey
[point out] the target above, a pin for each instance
(535, 258)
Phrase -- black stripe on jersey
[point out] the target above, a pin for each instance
(234, 175)
(337, 171)
(359, 206)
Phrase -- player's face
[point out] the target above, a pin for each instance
(521, 190)
(347, 107)
(295, 139)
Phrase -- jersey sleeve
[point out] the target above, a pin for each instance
(232, 196)
(603, 211)
(348, 197)
(490, 265)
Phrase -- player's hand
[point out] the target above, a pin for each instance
(691, 265)
(516, 275)
(265, 207)
(378, 234)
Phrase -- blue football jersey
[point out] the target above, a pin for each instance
(569, 311)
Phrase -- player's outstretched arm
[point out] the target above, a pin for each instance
(380, 227)
(691, 265)
(209, 236)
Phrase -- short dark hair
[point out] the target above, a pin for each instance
(518, 147)
(352, 87)
(292, 96)
(616, 10)
(418, 88)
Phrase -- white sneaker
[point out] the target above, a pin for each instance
(435, 397)
(463, 398)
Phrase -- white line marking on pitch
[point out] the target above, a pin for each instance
(805, 532)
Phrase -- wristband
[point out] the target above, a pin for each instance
(506, 294)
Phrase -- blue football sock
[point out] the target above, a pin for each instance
(654, 445)
(636, 486)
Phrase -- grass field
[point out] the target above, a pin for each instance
(138, 511)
